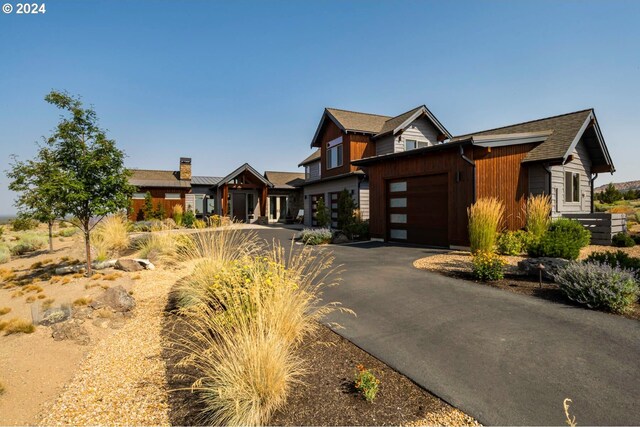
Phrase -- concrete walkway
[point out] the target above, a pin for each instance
(503, 358)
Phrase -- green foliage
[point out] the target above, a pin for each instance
(316, 236)
(564, 239)
(189, 219)
(622, 240)
(5, 253)
(631, 194)
(538, 211)
(147, 209)
(23, 223)
(358, 229)
(160, 212)
(616, 259)
(1, 231)
(366, 383)
(609, 195)
(598, 285)
(28, 242)
(323, 216)
(485, 221)
(178, 214)
(488, 266)
(67, 232)
(513, 242)
(346, 210)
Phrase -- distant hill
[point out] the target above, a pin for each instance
(620, 186)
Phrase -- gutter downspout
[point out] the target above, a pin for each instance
(594, 176)
(548, 169)
(472, 163)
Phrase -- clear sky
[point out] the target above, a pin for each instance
(233, 82)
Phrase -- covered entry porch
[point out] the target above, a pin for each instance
(243, 195)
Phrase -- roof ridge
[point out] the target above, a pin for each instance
(358, 112)
(152, 170)
(408, 111)
(525, 122)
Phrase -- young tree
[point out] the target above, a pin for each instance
(38, 182)
(322, 213)
(610, 194)
(147, 209)
(346, 210)
(96, 181)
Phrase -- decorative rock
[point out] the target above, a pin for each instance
(70, 331)
(340, 238)
(117, 298)
(530, 267)
(55, 315)
(145, 263)
(128, 265)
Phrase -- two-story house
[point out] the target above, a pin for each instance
(343, 137)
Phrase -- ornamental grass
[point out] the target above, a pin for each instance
(538, 212)
(485, 222)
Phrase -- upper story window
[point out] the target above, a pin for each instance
(410, 144)
(172, 196)
(307, 172)
(571, 187)
(334, 153)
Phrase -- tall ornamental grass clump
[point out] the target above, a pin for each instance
(598, 285)
(110, 237)
(246, 315)
(485, 221)
(178, 213)
(538, 213)
(162, 245)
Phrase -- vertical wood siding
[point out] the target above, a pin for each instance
(330, 132)
(158, 198)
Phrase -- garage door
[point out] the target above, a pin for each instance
(417, 210)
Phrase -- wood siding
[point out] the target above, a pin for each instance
(500, 174)
(579, 164)
(330, 132)
(459, 182)
(420, 130)
(314, 171)
(158, 198)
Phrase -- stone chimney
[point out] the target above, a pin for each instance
(185, 168)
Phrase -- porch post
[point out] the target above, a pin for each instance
(263, 201)
(225, 200)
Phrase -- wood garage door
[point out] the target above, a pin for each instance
(417, 210)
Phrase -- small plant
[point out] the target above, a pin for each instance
(538, 210)
(316, 236)
(111, 277)
(178, 213)
(199, 224)
(82, 301)
(5, 254)
(564, 239)
(16, 326)
(4, 310)
(67, 232)
(23, 223)
(598, 285)
(623, 240)
(147, 209)
(617, 259)
(188, 219)
(488, 266)
(110, 237)
(366, 383)
(214, 221)
(513, 242)
(30, 299)
(485, 221)
(323, 216)
(28, 242)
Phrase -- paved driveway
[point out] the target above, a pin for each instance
(501, 357)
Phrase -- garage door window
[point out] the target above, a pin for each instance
(398, 202)
(396, 187)
(398, 234)
(399, 218)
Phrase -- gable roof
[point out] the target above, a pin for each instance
(400, 122)
(157, 178)
(245, 167)
(205, 180)
(285, 180)
(312, 158)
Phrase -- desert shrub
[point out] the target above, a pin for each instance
(1, 389)
(488, 266)
(178, 213)
(82, 301)
(1, 231)
(366, 383)
(316, 236)
(162, 245)
(616, 259)
(538, 211)
(5, 254)
(16, 326)
(110, 237)
(23, 223)
(141, 226)
(188, 219)
(513, 242)
(67, 232)
(485, 221)
(598, 285)
(564, 239)
(28, 242)
(323, 216)
(622, 240)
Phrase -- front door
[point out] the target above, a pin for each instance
(239, 206)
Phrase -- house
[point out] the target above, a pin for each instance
(344, 137)
(421, 195)
(244, 194)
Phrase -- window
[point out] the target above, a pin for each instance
(410, 144)
(334, 156)
(398, 234)
(172, 196)
(139, 196)
(400, 186)
(307, 172)
(399, 202)
(571, 187)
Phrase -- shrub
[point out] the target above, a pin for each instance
(28, 242)
(488, 266)
(485, 220)
(609, 195)
(622, 240)
(23, 223)
(598, 285)
(110, 237)
(141, 226)
(82, 301)
(358, 229)
(67, 232)
(323, 216)
(346, 208)
(188, 219)
(147, 209)
(617, 259)
(564, 239)
(162, 245)
(538, 210)
(366, 383)
(199, 224)
(513, 242)
(178, 213)
(316, 236)
(5, 254)
(16, 325)
(214, 221)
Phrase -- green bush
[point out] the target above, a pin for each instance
(513, 242)
(598, 285)
(23, 223)
(564, 239)
(622, 240)
(617, 259)
(28, 242)
(488, 266)
(189, 219)
(316, 236)
(358, 229)
(366, 383)
(323, 216)
(636, 238)
(67, 232)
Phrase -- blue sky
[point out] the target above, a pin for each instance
(229, 82)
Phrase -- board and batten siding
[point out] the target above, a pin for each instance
(314, 171)
(421, 130)
(324, 188)
(579, 164)
(538, 180)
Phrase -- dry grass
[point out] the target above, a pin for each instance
(571, 421)
(485, 222)
(47, 303)
(104, 313)
(17, 294)
(2, 389)
(33, 288)
(41, 296)
(162, 245)
(55, 279)
(97, 276)
(137, 276)
(65, 280)
(30, 299)
(82, 301)
(538, 211)
(17, 325)
(110, 237)
(4, 310)
(112, 276)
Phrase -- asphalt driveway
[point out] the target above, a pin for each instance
(504, 358)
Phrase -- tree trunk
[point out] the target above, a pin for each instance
(50, 236)
(87, 245)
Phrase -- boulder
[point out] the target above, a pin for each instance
(129, 265)
(117, 298)
(145, 263)
(70, 331)
(529, 267)
(55, 315)
(340, 237)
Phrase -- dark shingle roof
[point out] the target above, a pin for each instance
(285, 180)
(358, 122)
(312, 158)
(205, 180)
(565, 128)
(157, 178)
(396, 121)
